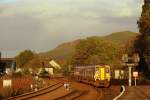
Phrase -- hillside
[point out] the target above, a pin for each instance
(64, 52)
(121, 37)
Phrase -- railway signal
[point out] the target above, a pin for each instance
(130, 61)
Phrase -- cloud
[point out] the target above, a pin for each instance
(8, 1)
(18, 32)
(42, 24)
(55, 7)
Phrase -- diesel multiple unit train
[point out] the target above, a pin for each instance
(96, 75)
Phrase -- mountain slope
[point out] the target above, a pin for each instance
(121, 37)
(62, 52)
(65, 51)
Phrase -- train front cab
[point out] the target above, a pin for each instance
(102, 76)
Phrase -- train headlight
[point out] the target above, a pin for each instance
(97, 75)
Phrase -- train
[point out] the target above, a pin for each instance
(96, 75)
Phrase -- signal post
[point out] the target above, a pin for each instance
(131, 62)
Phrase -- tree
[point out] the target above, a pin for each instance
(95, 50)
(65, 71)
(144, 21)
(35, 62)
(142, 43)
(128, 48)
(24, 57)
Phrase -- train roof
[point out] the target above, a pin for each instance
(90, 66)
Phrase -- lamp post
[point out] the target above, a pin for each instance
(130, 62)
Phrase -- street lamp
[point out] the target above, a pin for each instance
(130, 61)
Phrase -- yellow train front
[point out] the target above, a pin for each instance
(97, 75)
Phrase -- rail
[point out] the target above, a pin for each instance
(37, 93)
(143, 93)
(72, 95)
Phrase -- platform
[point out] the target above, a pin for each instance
(136, 93)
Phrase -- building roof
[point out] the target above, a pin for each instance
(54, 64)
(7, 59)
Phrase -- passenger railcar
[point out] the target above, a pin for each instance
(97, 75)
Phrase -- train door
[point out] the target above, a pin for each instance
(102, 71)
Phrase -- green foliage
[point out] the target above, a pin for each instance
(25, 71)
(17, 74)
(128, 48)
(144, 21)
(57, 71)
(142, 43)
(24, 57)
(121, 37)
(95, 50)
(65, 71)
(35, 62)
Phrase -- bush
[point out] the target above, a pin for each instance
(65, 71)
(17, 74)
(20, 85)
(6, 92)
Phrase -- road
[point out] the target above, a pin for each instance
(136, 93)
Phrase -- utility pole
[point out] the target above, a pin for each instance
(0, 58)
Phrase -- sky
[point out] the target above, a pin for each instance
(41, 25)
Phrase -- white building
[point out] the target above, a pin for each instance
(50, 67)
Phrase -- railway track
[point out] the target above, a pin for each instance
(37, 93)
(72, 95)
(52, 89)
(105, 94)
(102, 92)
(142, 94)
(56, 91)
(99, 94)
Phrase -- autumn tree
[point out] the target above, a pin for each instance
(142, 43)
(95, 50)
(128, 47)
(24, 57)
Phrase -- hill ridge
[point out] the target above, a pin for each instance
(66, 50)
